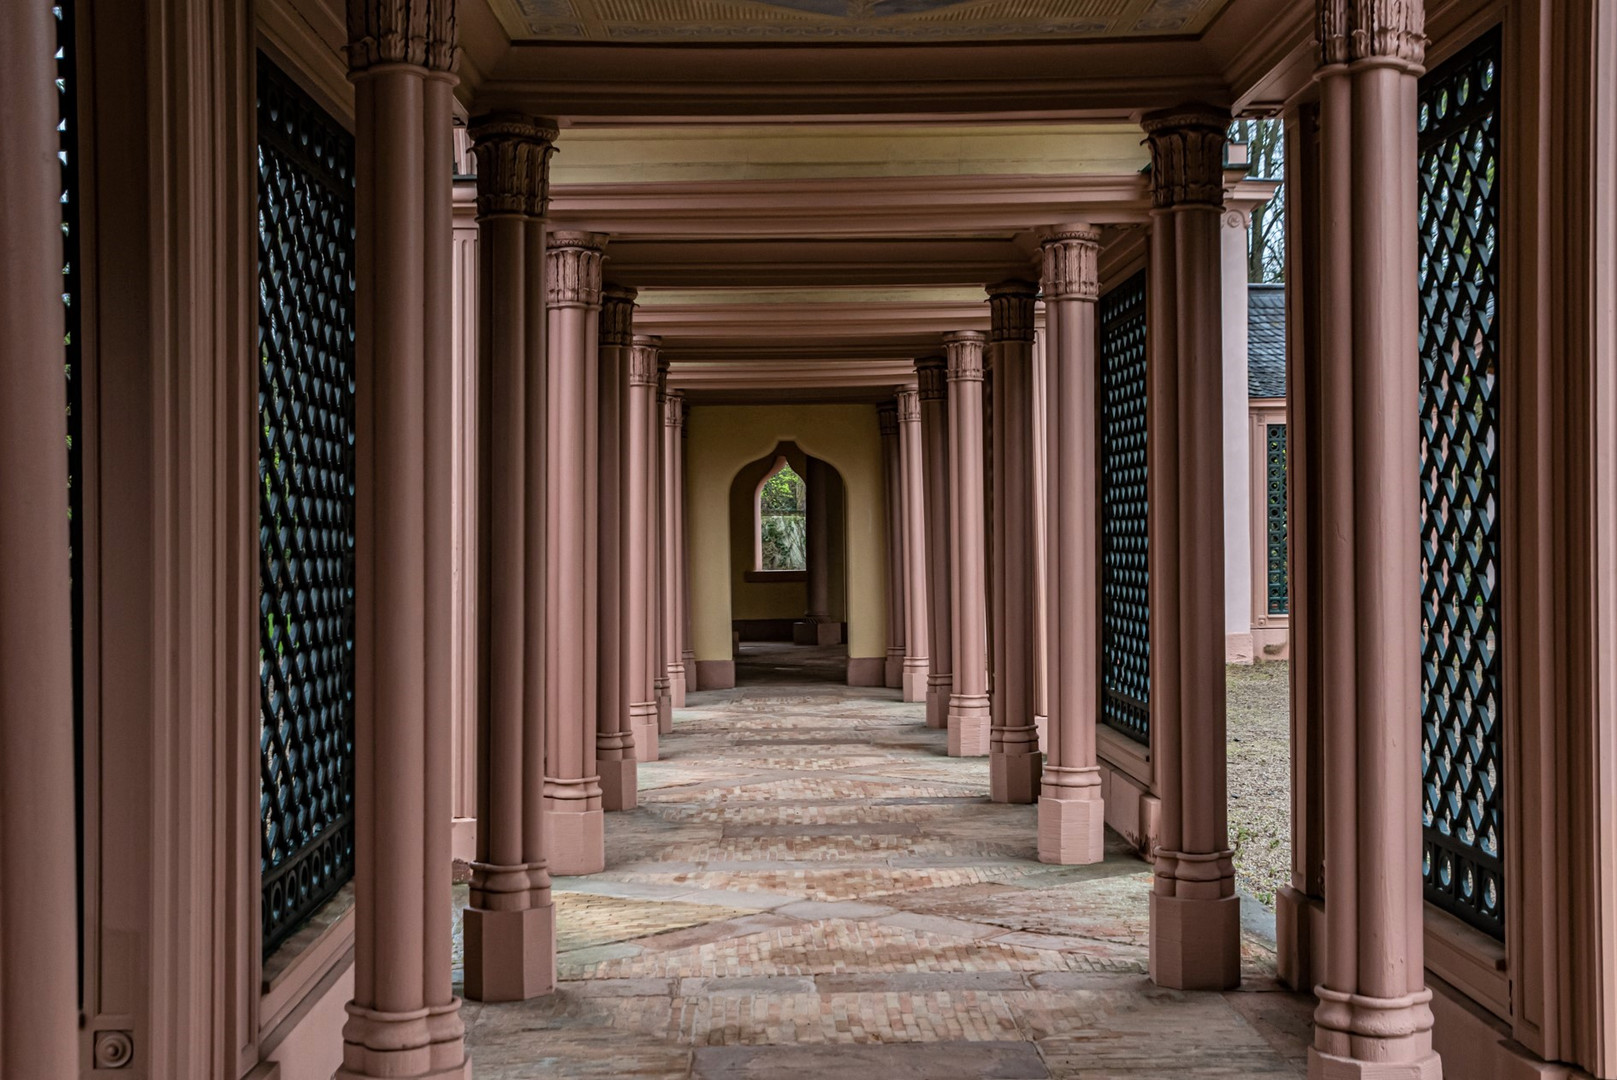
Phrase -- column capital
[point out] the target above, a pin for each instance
(1351, 30)
(931, 372)
(1071, 263)
(1010, 304)
(964, 355)
(674, 409)
(513, 163)
(420, 33)
(887, 418)
(909, 406)
(574, 279)
(662, 378)
(1187, 155)
(617, 315)
(643, 360)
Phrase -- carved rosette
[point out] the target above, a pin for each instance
(1010, 304)
(964, 350)
(932, 373)
(617, 315)
(420, 33)
(909, 406)
(513, 163)
(674, 409)
(887, 419)
(1187, 156)
(643, 360)
(1352, 30)
(574, 278)
(1072, 264)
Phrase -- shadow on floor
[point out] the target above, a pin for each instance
(780, 663)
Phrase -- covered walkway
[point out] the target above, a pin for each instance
(823, 838)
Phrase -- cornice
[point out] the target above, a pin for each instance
(1071, 264)
(1187, 155)
(513, 163)
(419, 33)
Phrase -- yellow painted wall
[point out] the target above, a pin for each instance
(722, 440)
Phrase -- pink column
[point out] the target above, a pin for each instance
(573, 809)
(687, 653)
(1013, 754)
(661, 625)
(893, 492)
(932, 374)
(510, 923)
(1041, 531)
(916, 663)
(639, 617)
(38, 935)
(969, 721)
(1374, 1017)
(1195, 915)
(1072, 825)
(681, 665)
(614, 741)
(673, 657)
(403, 1019)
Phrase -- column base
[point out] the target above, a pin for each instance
(1041, 724)
(1330, 1067)
(676, 685)
(643, 723)
(692, 684)
(1014, 778)
(665, 712)
(1196, 944)
(510, 955)
(894, 672)
(575, 839)
(1072, 826)
(423, 1044)
(938, 689)
(916, 672)
(620, 782)
(969, 724)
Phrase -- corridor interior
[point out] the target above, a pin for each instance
(810, 887)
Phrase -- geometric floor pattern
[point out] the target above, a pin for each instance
(811, 887)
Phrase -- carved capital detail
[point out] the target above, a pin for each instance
(1187, 155)
(513, 163)
(887, 419)
(932, 373)
(574, 277)
(617, 315)
(643, 360)
(420, 33)
(1010, 305)
(965, 355)
(674, 409)
(1352, 30)
(909, 406)
(1072, 264)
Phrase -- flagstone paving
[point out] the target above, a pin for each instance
(812, 888)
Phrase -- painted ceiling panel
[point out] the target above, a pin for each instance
(839, 21)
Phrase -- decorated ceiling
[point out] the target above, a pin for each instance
(837, 21)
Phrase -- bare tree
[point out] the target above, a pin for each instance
(1266, 241)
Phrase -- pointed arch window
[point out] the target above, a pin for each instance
(781, 520)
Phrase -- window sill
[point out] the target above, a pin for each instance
(775, 577)
(305, 959)
(1468, 960)
(1128, 757)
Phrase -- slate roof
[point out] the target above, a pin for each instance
(1266, 341)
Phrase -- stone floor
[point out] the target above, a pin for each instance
(811, 888)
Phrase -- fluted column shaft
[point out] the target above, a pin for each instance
(615, 737)
(38, 935)
(1013, 761)
(912, 498)
(1195, 915)
(403, 1019)
(893, 492)
(673, 453)
(572, 787)
(644, 428)
(510, 921)
(932, 376)
(663, 625)
(1072, 826)
(968, 717)
(1374, 1017)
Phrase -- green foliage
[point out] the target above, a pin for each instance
(782, 521)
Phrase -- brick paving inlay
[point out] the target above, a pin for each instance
(811, 887)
